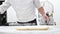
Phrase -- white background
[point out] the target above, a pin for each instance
(11, 15)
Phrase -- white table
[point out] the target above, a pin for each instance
(12, 30)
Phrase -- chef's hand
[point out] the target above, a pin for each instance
(46, 18)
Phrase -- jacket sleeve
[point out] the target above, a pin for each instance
(37, 3)
(4, 6)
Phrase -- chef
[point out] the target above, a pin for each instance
(25, 10)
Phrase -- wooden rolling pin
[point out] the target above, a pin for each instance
(45, 28)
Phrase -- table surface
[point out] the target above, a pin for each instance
(12, 30)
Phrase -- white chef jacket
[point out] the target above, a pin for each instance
(25, 9)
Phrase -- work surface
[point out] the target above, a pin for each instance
(12, 30)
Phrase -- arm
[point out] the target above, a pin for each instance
(4, 6)
(40, 8)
